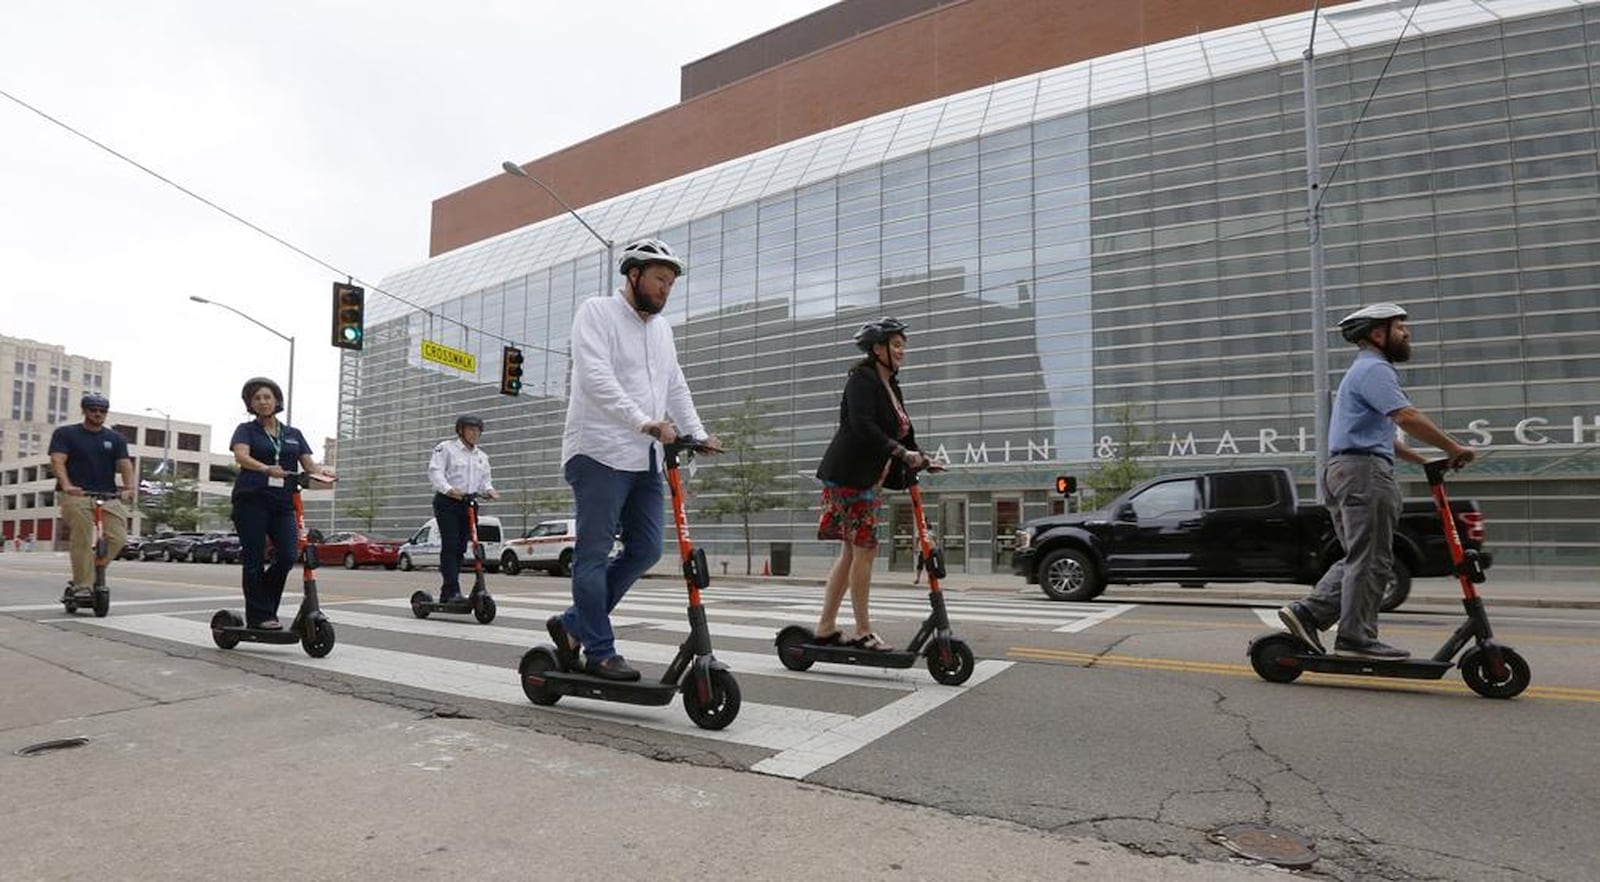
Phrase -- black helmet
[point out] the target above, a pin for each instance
(1355, 326)
(647, 251)
(873, 333)
(94, 399)
(252, 385)
(469, 419)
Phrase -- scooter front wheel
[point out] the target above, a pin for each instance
(537, 662)
(224, 619)
(716, 709)
(484, 610)
(102, 602)
(954, 670)
(1267, 653)
(320, 642)
(1477, 670)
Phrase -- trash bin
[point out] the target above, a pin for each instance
(781, 552)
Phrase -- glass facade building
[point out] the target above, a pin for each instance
(1109, 253)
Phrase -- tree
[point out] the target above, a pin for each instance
(1112, 475)
(367, 500)
(175, 505)
(743, 481)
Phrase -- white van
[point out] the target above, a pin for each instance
(422, 549)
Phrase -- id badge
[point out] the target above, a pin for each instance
(274, 482)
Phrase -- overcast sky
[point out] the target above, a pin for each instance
(331, 124)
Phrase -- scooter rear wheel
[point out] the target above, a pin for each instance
(714, 711)
(321, 641)
(537, 662)
(790, 640)
(419, 604)
(225, 619)
(955, 670)
(1480, 676)
(484, 610)
(1266, 653)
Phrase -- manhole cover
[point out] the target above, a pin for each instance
(1274, 845)
(47, 746)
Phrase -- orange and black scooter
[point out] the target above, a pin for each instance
(478, 602)
(710, 693)
(1490, 669)
(311, 629)
(98, 596)
(950, 660)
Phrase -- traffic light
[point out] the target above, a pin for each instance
(349, 315)
(1066, 485)
(511, 371)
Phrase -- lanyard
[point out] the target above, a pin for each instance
(277, 444)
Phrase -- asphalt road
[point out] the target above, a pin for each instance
(1139, 722)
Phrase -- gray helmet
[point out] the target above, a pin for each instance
(94, 399)
(468, 419)
(873, 333)
(252, 385)
(1355, 326)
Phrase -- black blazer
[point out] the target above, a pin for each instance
(865, 439)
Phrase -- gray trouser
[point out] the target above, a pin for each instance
(1364, 501)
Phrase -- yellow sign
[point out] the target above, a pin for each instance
(454, 358)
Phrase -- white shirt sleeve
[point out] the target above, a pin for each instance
(488, 482)
(593, 372)
(680, 404)
(436, 467)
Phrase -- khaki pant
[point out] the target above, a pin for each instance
(78, 512)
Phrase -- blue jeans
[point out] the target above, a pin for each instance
(609, 503)
(258, 517)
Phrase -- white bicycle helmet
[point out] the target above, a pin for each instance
(1355, 326)
(647, 251)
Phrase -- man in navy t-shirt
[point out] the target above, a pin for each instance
(86, 459)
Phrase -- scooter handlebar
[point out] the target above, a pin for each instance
(306, 479)
(685, 443)
(1436, 470)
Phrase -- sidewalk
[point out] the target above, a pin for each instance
(195, 771)
(1567, 588)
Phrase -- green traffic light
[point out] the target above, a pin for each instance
(352, 334)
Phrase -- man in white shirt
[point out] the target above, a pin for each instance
(457, 470)
(627, 392)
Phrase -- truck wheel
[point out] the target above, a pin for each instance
(509, 564)
(1399, 587)
(564, 564)
(1069, 574)
(405, 563)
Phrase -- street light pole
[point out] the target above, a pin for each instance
(517, 171)
(1319, 297)
(288, 404)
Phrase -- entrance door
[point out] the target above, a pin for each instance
(1007, 518)
(903, 537)
(951, 533)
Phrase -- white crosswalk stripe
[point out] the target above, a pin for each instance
(744, 620)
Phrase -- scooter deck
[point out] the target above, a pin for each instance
(1408, 669)
(833, 653)
(454, 607)
(647, 692)
(284, 635)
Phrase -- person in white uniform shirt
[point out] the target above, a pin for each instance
(458, 469)
(627, 392)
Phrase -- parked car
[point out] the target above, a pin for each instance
(422, 549)
(548, 546)
(169, 546)
(1243, 525)
(216, 548)
(358, 550)
(130, 548)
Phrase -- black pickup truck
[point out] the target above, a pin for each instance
(1244, 525)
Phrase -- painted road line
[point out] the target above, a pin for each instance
(1099, 618)
(1091, 660)
(118, 604)
(773, 727)
(829, 747)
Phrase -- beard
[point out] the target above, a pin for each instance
(1397, 350)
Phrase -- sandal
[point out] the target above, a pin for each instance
(870, 641)
(833, 638)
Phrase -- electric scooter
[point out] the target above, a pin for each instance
(98, 596)
(710, 693)
(950, 660)
(1490, 669)
(478, 602)
(311, 629)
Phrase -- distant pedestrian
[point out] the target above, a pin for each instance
(1363, 498)
(459, 468)
(86, 459)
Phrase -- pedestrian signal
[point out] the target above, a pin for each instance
(1066, 485)
(349, 316)
(511, 371)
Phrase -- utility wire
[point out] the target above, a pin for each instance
(1368, 103)
(265, 232)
